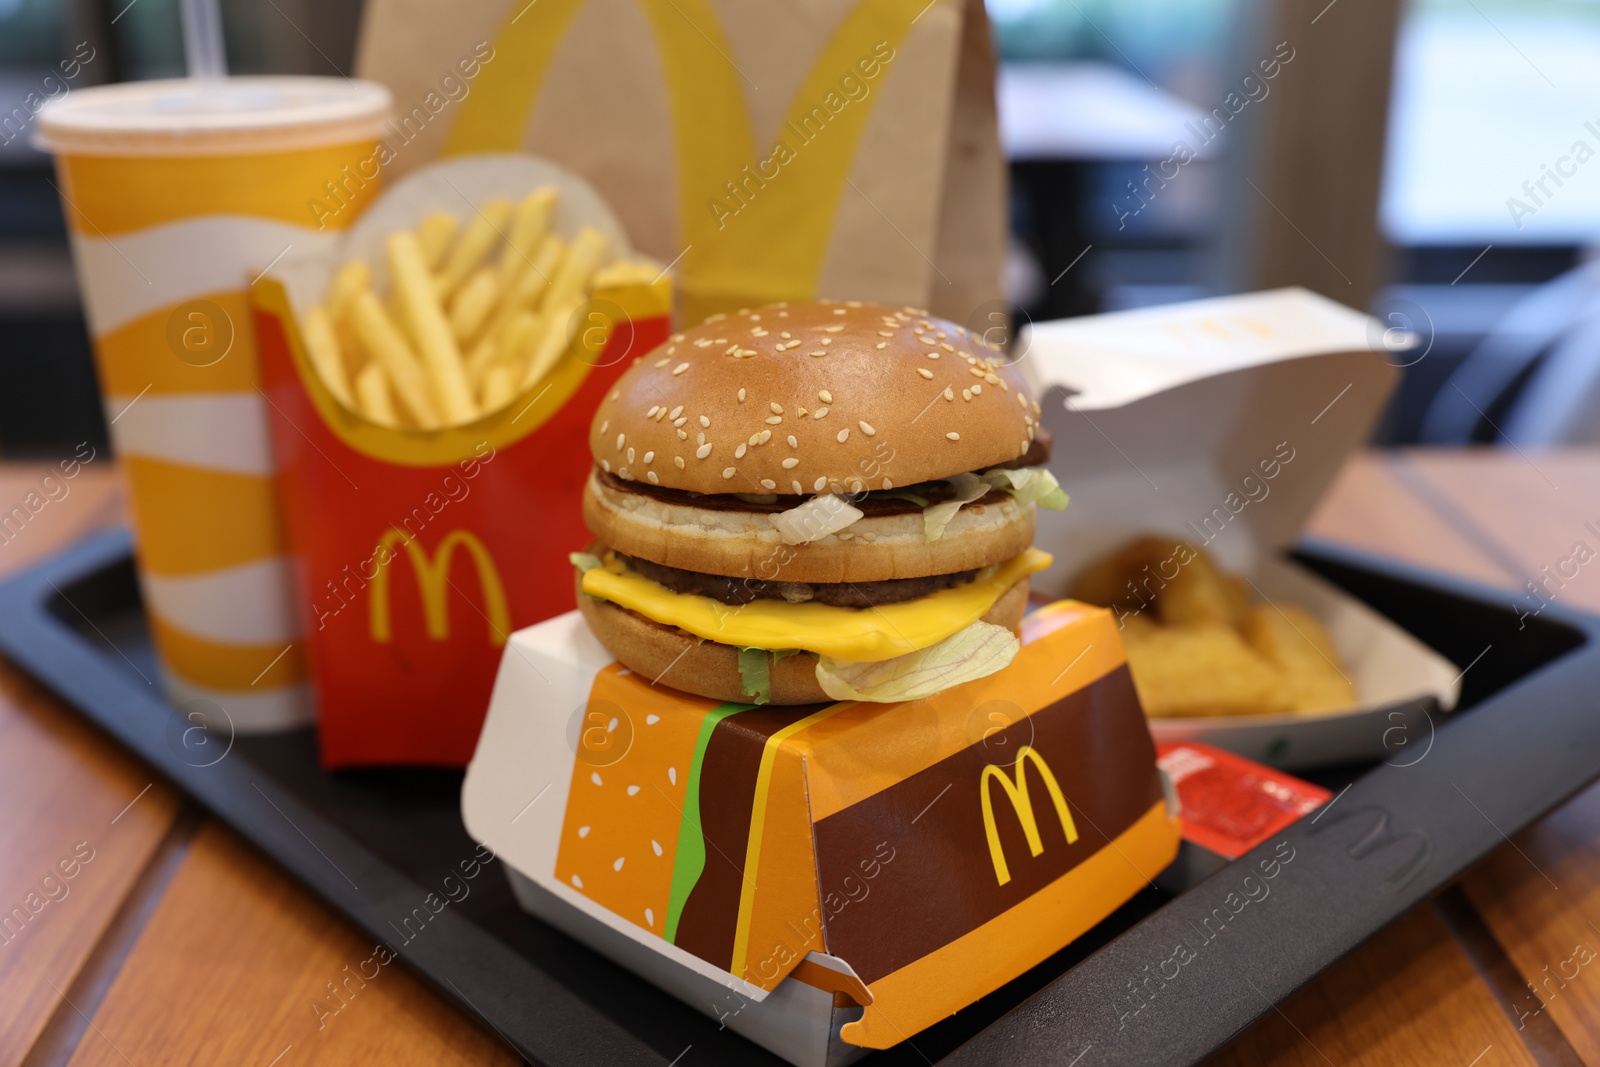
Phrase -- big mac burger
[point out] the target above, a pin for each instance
(810, 502)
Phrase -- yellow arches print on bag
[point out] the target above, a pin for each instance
(171, 216)
(756, 224)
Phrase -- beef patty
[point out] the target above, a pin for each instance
(740, 591)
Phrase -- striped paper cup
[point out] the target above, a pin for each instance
(178, 195)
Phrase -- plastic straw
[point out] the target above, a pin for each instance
(202, 39)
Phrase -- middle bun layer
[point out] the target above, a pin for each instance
(745, 544)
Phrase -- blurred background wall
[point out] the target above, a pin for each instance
(1417, 158)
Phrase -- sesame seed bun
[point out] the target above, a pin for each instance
(679, 659)
(858, 396)
(745, 543)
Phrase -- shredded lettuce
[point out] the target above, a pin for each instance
(584, 561)
(1031, 485)
(815, 519)
(974, 652)
(755, 671)
(967, 487)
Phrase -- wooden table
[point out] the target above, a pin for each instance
(174, 942)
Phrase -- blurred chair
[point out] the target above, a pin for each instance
(1539, 369)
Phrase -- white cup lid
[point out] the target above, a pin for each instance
(188, 116)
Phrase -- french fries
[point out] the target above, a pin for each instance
(479, 309)
(1197, 643)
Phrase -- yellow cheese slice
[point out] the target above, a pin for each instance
(862, 635)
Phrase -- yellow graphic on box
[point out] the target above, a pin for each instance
(776, 247)
(433, 576)
(1016, 791)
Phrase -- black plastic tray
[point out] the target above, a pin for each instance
(375, 844)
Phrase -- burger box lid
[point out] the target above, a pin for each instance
(1221, 423)
(832, 877)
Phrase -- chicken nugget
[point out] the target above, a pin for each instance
(1295, 642)
(1201, 669)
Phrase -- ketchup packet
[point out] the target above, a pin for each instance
(1231, 804)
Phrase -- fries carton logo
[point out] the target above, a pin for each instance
(433, 580)
(1016, 791)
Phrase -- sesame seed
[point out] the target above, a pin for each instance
(791, 463)
(793, 443)
(704, 421)
(741, 396)
(838, 311)
(820, 484)
(925, 372)
(728, 472)
(975, 372)
(866, 428)
(768, 483)
(676, 412)
(786, 335)
(679, 369)
(825, 396)
(773, 420)
(952, 435)
(933, 355)
(700, 439)
(755, 439)
(615, 393)
(856, 487)
(623, 472)
(948, 395)
(800, 412)
(991, 378)
(825, 341)
(819, 352)
(977, 390)
(844, 435)
(1022, 402)
(966, 394)
(630, 453)
(679, 461)
(796, 487)
(946, 345)
(662, 362)
(652, 476)
(766, 435)
(622, 439)
(885, 333)
(819, 413)
(881, 344)
(777, 408)
(683, 435)
(739, 452)
(925, 339)
(652, 412)
(887, 484)
(605, 466)
(832, 329)
(604, 426)
(702, 452)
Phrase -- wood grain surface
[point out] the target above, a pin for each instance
(178, 944)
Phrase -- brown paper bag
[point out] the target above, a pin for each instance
(769, 150)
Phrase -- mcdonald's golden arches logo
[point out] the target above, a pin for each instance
(1016, 790)
(433, 581)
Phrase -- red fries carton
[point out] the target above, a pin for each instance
(419, 552)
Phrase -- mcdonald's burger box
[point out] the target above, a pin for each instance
(828, 878)
(1221, 423)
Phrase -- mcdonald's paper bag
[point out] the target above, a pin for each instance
(771, 150)
(832, 877)
(417, 553)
